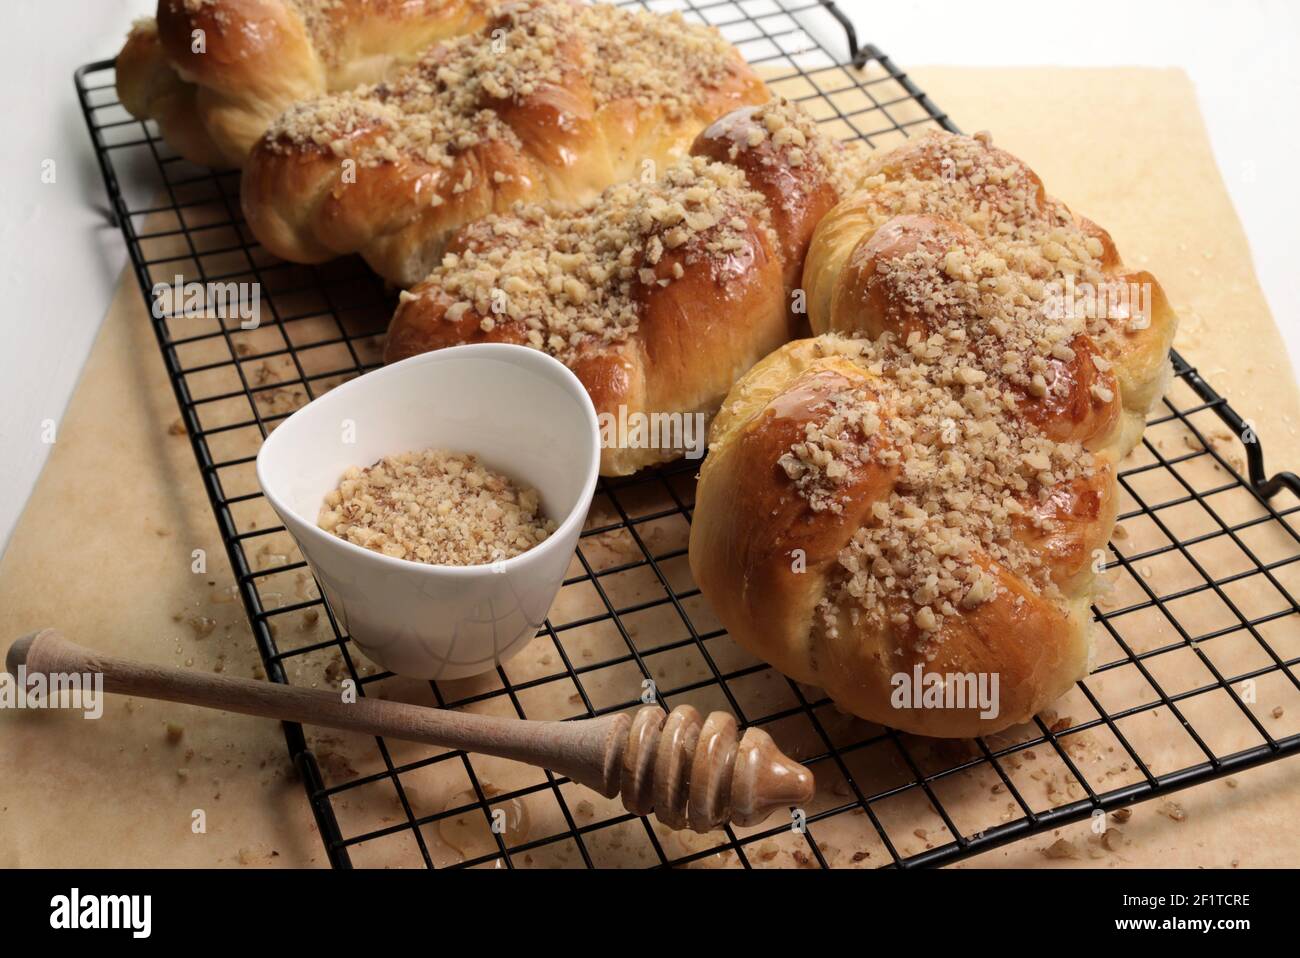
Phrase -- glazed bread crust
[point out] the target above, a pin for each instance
(929, 481)
(214, 74)
(671, 327)
(766, 561)
(551, 101)
(1139, 359)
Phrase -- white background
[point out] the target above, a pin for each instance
(59, 259)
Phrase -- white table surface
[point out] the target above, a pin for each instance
(59, 259)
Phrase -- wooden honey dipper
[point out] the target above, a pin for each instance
(690, 772)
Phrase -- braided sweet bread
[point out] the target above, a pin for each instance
(658, 294)
(553, 101)
(214, 74)
(928, 483)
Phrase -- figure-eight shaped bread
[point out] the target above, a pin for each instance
(658, 294)
(931, 483)
(214, 74)
(553, 101)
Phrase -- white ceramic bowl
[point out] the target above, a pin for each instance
(520, 412)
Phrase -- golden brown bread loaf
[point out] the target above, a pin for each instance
(214, 74)
(658, 294)
(552, 101)
(931, 482)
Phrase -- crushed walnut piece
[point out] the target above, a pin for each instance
(436, 507)
(798, 142)
(967, 467)
(445, 103)
(1043, 248)
(572, 277)
(984, 336)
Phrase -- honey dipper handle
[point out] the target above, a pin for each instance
(589, 751)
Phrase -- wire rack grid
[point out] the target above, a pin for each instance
(1195, 672)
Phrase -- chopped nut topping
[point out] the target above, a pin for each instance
(972, 335)
(962, 479)
(799, 142)
(571, 277)
(436, 507)
(446, 102)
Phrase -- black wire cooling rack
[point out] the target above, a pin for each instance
(1195, 675)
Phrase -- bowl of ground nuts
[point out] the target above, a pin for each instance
(439, 501)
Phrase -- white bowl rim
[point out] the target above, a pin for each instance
(544, 363)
